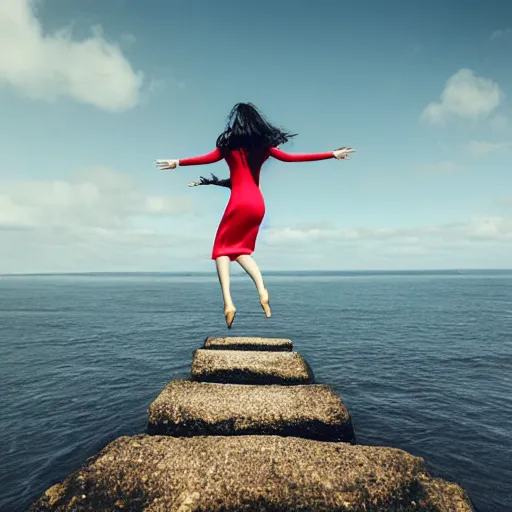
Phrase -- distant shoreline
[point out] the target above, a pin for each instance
(294, 273)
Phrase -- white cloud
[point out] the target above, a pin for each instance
(88, 249)
(46, 67)
(477, 228)
(504, 202)
(35, 238)
(481, 148)
(443, 167)
(128, 39)
(466, 96)
(103, 220)
(478, 242)
(99, 198)
(98, 219)
(488, 228)
(497, 34)
(498, 123)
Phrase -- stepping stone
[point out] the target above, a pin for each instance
(250, 367)
(187, 408)
(265, 473)
(241, 343)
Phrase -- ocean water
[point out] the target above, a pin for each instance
(423, 361)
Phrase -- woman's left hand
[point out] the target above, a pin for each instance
(165, 165)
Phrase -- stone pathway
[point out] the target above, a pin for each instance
(251, 430)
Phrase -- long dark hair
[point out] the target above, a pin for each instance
(247, 128)
(215, 181)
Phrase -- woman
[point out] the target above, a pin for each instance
(246, 143)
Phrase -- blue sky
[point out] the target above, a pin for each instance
(92, 92)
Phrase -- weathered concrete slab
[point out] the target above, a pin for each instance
(249, 367)
(264, 473)
(244, 343)
(198, 408)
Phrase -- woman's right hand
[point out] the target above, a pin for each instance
(194, 184)
(343, 153)
(165, 165)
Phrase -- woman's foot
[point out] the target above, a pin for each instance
(229, 313)
(265, 303)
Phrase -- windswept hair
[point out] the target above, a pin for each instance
(215, 181)
(247, 128)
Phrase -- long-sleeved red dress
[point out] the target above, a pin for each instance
(238, 229)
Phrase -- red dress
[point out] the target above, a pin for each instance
(242, 218)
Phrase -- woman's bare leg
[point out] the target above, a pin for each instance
(251, 267)
(223, 263)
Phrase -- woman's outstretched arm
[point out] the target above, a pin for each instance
(209, 158)
(340, 154)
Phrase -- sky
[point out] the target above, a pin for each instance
(93, 92)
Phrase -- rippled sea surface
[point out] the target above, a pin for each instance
(423, 361)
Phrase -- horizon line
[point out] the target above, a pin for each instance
(212, 272)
